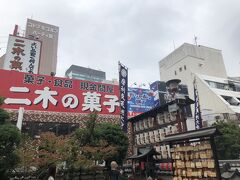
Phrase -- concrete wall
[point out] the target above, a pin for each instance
(210, 101)
(189, 59)
(196, 59)
(48, 34)
(1, 61)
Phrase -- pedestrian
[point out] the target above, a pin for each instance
(51, 172)
(149, 178)
(130, 177)
(114, 173)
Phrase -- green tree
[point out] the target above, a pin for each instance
(114, 136)
(4, 115)
(46, 151)
(87, 135)
(102, 141)
(228, 144)
(10, 138)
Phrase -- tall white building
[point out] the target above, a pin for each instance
(189, 62)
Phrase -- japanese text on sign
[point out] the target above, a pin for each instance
(40, 92)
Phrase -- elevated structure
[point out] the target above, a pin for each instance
(205, 64)
(48, 35)
(2, 61)
(219, 98)
(83, 73)
(38, 32)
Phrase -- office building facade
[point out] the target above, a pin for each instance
(83, 73)
(190, 62)
(48, 35)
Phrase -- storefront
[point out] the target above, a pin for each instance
(193, 154)
(46, 103)
(150, 156)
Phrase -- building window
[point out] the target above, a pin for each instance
(219, 85)
(231, 100)
(185, 67)
(175, 72)
(180, 69)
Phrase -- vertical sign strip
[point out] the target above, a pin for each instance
(123, 87)
(197, 114)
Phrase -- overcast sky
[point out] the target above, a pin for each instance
(139, 33)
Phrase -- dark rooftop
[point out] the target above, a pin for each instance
(84, 70)
(194, 134)
(158, 109)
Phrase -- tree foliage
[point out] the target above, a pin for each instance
(4, 115)
(43, 151)
(114, 136)
(95, 142)
(228, 144)
(9, 141)
(10, 138)
(102, 141)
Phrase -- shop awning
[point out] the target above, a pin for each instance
(204, 132)
(143, 153)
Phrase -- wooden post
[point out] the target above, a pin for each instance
(212, 142)
(178, 118)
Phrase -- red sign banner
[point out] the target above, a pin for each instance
(47, 93)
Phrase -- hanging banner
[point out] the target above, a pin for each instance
(197, 114)
(123, 88)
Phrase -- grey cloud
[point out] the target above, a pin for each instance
(99, 33)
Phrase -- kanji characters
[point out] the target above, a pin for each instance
(70, 100)
(45, 96)
(33, 49)
(58, 82)
(18, 51)
(101, 88)
(32, 57)
(18, 101)
(96, 87)
(93, 87)
(113, 101)
(68, 83)
(28, 79)
(40, 79)
(84, 85)
(92, 101)
(16, 64)
(109, 89)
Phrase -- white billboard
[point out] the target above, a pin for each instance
(22, 55)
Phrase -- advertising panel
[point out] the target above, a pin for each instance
(155, 89)
(139, 101)
(159, 90)
(48, 34)
(22, 55)
(47, 93)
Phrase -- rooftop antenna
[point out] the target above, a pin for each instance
(174, 45)
(195, 40)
